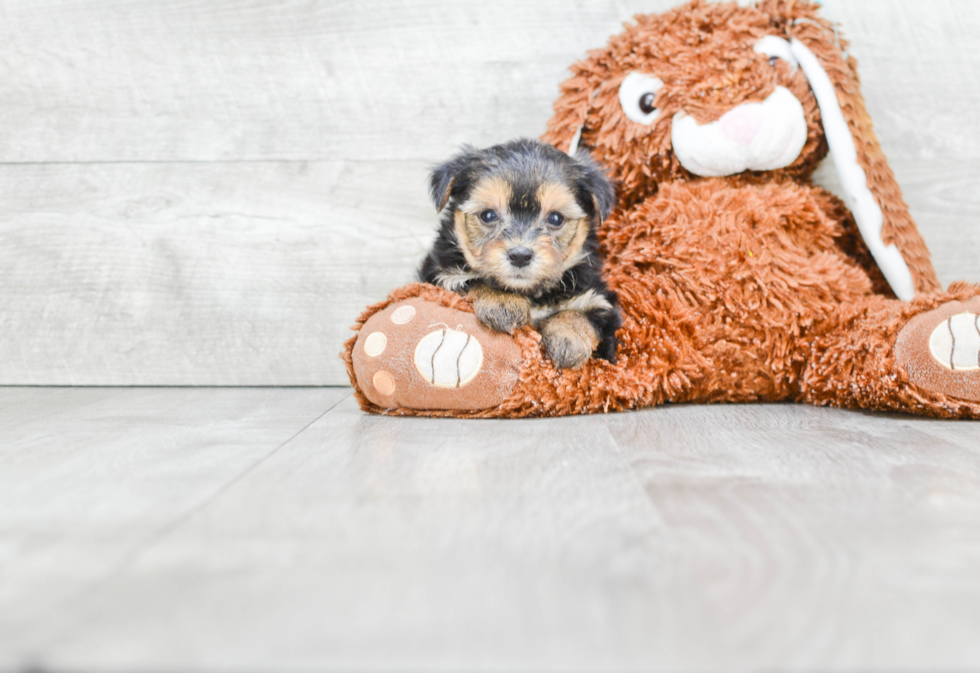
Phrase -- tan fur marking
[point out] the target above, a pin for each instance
(572, 250)
(569, 339)
(502, 311)
(484, 253)
(492, 192)
(494, 259)
(444, 199)
(463, 237)
(556, 197)
(568, 323)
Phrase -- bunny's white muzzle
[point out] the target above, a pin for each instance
(762, 136)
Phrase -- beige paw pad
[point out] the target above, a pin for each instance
(955, 343)
(403, 315)
(448, 358)
(375, 344)
(384, 383)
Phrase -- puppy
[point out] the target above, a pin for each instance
(518, 238)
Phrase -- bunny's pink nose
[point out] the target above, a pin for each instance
(743, 123)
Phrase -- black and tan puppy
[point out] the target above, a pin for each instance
(518, 237)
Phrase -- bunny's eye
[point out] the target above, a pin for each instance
(777, 49)
(637, 94)
(646, 103)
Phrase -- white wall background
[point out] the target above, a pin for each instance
(209, 191)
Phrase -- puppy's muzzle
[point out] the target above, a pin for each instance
(520, 257)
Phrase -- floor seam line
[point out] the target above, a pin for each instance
(167, 530)
(221, 490)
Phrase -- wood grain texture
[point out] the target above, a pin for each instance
(209, 192)
(204, 80)
(90, 477)
(685, 538)
(203, 274)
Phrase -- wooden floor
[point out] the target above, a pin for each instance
(283, 530)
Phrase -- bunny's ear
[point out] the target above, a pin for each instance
(572, 107)
(872, 193)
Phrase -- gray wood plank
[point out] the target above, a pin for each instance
(677, 539)
(199, 274)
(27, 409)
(123, 80)
(945, 203)
(370, 543)
(815, 539)
(90, 479)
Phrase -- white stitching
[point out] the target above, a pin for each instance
(459, 374)
(434, 356)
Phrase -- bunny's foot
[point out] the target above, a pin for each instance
(940, 350)
(417, 354)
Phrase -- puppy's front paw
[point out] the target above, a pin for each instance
(501, 311)
(569, 339)
(567, 351)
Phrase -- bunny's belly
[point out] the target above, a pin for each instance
(753, 274)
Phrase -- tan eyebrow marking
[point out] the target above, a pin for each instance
(554, 196)
(493, 192)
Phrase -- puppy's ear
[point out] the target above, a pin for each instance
(595, 186)
(451, 176)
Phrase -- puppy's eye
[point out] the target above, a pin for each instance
(488, 217)
(556, 219)
(637, 94)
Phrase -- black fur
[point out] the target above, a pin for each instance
(525, 164)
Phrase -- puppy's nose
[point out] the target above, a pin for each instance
(520, 257)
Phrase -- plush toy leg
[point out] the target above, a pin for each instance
(920, 357)
(424, 349)
(422, 352)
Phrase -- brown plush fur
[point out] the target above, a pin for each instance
(755, 287)
(703, 53)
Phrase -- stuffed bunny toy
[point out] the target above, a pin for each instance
(739, 280)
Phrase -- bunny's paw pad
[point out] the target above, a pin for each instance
(417, 354)
(940, 350)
